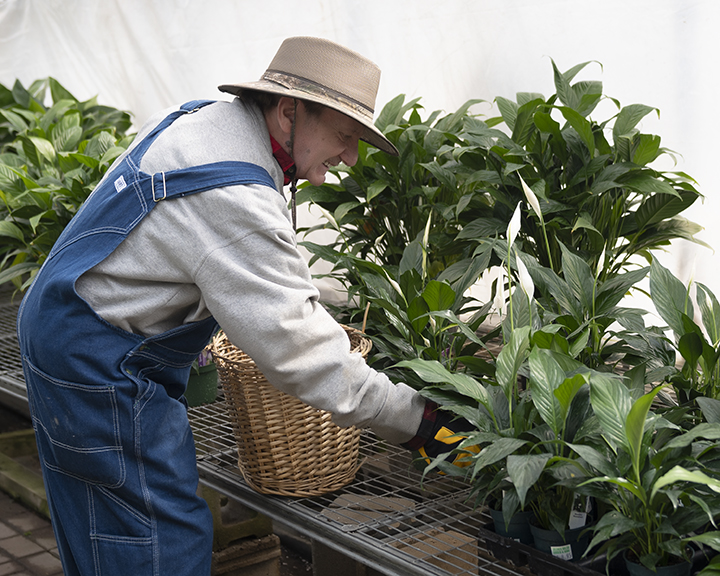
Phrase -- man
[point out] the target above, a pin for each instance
(190, 229)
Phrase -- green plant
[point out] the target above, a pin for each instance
(204, 359)
(384, 203)
(596, 193)
(698, 379)
(51, 158)
(407, 315)
(522, 431)
(659, 480)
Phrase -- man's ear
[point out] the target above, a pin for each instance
(286, 114)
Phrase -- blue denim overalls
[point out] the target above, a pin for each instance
(113, 437)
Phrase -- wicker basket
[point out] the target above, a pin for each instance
(285, 447)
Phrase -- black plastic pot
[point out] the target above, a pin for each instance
(679, 569)
(518, 529)
(569, 546)
(540, 563)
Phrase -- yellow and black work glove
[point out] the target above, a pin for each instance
(439, 433)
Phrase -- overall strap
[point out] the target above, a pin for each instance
(187, 108)
(178, 183)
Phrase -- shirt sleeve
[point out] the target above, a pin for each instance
(258, 287)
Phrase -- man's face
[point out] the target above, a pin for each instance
(322, 141)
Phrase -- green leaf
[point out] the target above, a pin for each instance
(690, 346)
(680, 474)
(524, 471)
(596, 459)
(635, 427)
(15, 120)
(545, 377)
(340, 211)
(375, 188)
(648, 149)
(511, 358)
(581, 126)
(17, 270)
(417, 313)
(710, 539)
(482, 228)
(66, 139)
(498, 450)
(44, 148)
(58, 92)
(707, 430)
(634, 489)
(508, 110)
(670, 297)
(710, 408)
(647, 183)
(438, 295)
(11, 230)
(612, 524)
(434, 372)
(611, 402)
(659, 207)
(628, 118)
(579, 276)
(710, 311)
(524, 121)
(566, 392)
(88, 161)
(411, 259)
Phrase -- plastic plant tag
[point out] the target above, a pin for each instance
(578, 516)
(562, 552)
(577, 520)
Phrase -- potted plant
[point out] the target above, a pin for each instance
(51, 158)
(596, 191)
(409, 314)
(384, 202)
(202, 386)
(659, 480)
(697, 381)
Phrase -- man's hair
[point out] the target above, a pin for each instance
(266, 101)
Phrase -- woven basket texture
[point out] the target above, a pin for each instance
(285, 447)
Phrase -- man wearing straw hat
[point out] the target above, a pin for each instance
(189, 229)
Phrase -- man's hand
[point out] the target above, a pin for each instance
(440, 433)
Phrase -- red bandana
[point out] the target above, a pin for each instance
(287, 164)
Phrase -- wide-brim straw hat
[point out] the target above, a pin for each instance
(318, 70)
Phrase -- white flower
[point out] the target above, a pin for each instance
(499, 300)
(513, 226)
(600, 264)
(531, 198)
(526, 281)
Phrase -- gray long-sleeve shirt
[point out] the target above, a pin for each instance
(231, 253)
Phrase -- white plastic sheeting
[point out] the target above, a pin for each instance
(145, 55)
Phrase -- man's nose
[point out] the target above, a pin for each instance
(350, 155)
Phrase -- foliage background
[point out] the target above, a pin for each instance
(144, 56)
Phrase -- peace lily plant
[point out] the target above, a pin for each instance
(51, 158)
(566, 210)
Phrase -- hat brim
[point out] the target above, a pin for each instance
(372, 135)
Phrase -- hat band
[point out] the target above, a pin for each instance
(292, 82)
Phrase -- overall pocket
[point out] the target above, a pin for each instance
(77, 427)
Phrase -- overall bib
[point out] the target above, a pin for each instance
(113, 436)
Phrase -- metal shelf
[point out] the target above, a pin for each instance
(382, 519)
(13, 393)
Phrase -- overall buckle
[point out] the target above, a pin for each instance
(152, 186)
